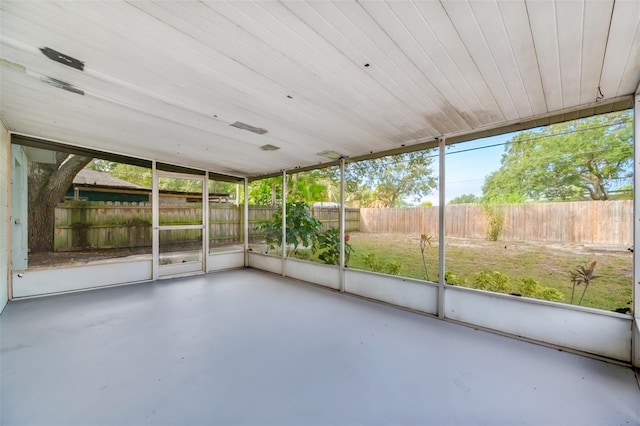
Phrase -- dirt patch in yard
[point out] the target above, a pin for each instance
(70, 258)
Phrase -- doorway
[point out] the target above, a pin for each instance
(179, 232)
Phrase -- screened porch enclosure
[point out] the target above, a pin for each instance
(343, 212)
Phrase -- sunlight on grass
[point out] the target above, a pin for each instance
(549, 266)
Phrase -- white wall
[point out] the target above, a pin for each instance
(408, 293)
(265, 262)
(588, 330)
(4, 214)
(636, 345)
(46, 281)
(316, 273)
(224, 261)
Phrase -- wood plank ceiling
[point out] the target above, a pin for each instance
(165, 80)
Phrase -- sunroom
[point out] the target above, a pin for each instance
(319, 212)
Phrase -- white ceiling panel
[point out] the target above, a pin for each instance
(425, 71)
(569, 26)
(514, 18)
(352, 86)
(471, 28)
(544, 30)
(594, 42)
(165, 80)
(622, 58)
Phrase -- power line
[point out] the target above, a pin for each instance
(509, 142)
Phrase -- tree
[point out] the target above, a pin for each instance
(387, 181)
(220, 187)
(47, 185)
(265, 192)
(314, 185)
(565, 161)
(465, 199)
(140, 176)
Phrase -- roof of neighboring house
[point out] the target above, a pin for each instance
(93, 177)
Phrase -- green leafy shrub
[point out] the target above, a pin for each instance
(329, 246)
(552, 294)
(529, 287)
(302, 229)
(452, 279)
(303, 254)
(495, 219)
(532, 288)
(393, 267)
(372, 262)
(492, 281)
(501, 283)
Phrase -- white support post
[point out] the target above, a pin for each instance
(155, 221)
(205, 220)
(8, 231)
(246, 222)
(284, 223)
(441, 230)
(635, 355)
(343, 230)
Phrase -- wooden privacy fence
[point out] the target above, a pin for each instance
(100, 225)
(92, 224)
(104, 225)
(583, 222)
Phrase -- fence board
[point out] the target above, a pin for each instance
(81, 225)
(582, 222)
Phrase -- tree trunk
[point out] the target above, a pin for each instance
(47, 185)
(596, 189)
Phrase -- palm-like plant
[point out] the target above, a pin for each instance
(582, 275)
(425, 240)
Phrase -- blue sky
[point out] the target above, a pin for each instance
(469, 163)
(466, 171)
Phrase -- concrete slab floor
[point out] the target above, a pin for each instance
(247, 347)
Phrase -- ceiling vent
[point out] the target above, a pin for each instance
(249, 128)
(269, 147)
(331, 155)
(67, 60)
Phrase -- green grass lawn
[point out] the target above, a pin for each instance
(549, 264)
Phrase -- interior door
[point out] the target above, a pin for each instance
(180, 231)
